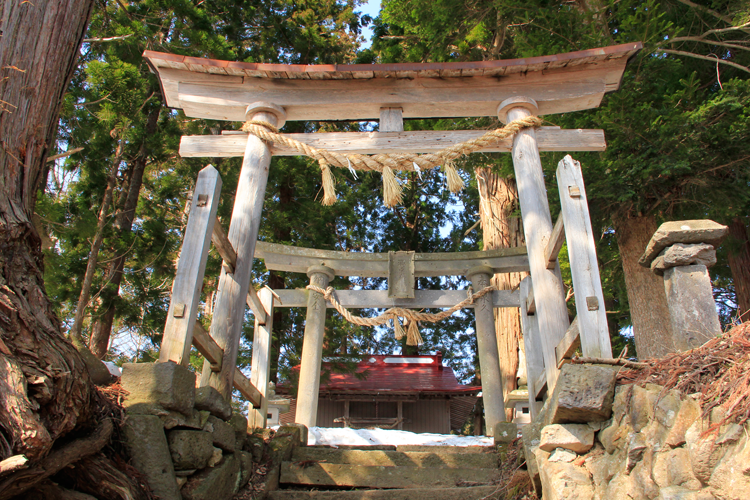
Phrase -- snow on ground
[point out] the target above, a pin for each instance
(346, 436)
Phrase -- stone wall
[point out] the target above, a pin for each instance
(187, 442)
(653, 445)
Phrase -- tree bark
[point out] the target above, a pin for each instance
(498, 200)
(102, 329)
(739, 264)
(38, 51)
(649, 312)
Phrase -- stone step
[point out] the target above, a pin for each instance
(436, 458)
(471, 493)
(410, 447)
(371, 476)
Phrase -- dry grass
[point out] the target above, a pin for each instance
(719, 371)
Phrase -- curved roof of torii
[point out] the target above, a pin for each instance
(221, 90)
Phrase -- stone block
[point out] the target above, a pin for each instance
(210, 400)
(731, 475)
(255, 445)
(172, 419)
(505, 432)
(155, 387)
(686, 231)
(624, 486)
(246, 466)
(190, 449)
(147, 446)
(562, 455)
(681, 254)
(562, 480)
(692, 309)
(584, 393)
(702, 449)
(530, 434)
(216, 456)
(607, 436)
(673, 468)
(221, 432)
(239, 424)
(280, 448)
(578, 438)
(298, 430)
(642, 402)
(636, 448)
(686, 416)
(217, 483)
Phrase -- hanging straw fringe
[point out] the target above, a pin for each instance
(386, 163)
(391, 188)
(412, 334)
(455, 182)
(398, 330)
(329, 189)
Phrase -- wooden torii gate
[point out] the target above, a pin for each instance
(274, 93)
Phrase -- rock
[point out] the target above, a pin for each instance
(505, 432)
(298, 430)
(239, 424)
(672, 468)
(667, 407)
(732, 434)
(530, 434)
(221, 432)
(642, 474)
(642, 402)
(185, 473)
(220, 482)
(216, 456)
(703, 451)
(624, 486)
(578, 438)
(149, 452)
(155, 387)
(731, 475)
(686, 231)
(255, 445)
(280, 448)
(246, 466)
(190, 449)
(211, 400)
(636, 447)
(598, 468)
(563, 481)
(681, 254)
(181, 481)
(583, 393)
(172, 419)
(562, 455)
(680, 493)
(607, 436)
(692, 309)
(686, 416)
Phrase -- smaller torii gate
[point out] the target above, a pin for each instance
(270, 94)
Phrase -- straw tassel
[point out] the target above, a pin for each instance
(412, 334)
(391, 188)
(329, 189)
(455, 182)
(398, 330)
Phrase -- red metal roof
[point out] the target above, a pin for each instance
(390, 374)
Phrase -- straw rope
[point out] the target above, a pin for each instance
(393, 313)
(386, 163)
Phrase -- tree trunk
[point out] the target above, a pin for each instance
(498, 200)
(52, 390)
(739, 264)
(102, 329)
(649, 312)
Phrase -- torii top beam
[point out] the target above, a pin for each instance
(222, 90)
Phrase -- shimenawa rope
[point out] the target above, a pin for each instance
(387, 163)
(412, 334)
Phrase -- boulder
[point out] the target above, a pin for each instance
(530, 434)
(246, 466)
(149, 452)
(505, 432)
(210, 400)
(578, 438)
(681, 254)
(562, 480)
(562, 455)
(583, 393)
(692, 309)
(686, 231)
(155, 387)
(298, 430)
(172, 419)
(221, 432)
(255, 445)
(239, 424)
(190, 449)
(218, 483)
(686, 416)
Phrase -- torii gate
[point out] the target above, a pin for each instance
(274, 93)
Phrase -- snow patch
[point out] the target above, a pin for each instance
(363, 437)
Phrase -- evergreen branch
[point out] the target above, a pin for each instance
(701, 39)
(64, 155)
(717, 15)
(706, 58)
(108, 39)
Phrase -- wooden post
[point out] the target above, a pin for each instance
(489, 362)
(229, 311)
(549, 295)
(261, 361)
(584, 267)
(188, 281)
(534, 358)
(312, 348)
(391, 120)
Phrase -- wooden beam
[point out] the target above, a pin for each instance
(188, 281)
(391, 120)
(540, 386)
(298, 260)
(254, 303)
(247, 389)
(231, 144)
(363, 299)
(584, 265)
(207, 347)
(261, 361)
(555, 243)
(569, 344)
(530, 302)
(532, 346)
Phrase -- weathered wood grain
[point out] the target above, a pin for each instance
(569, 343)
(261, 361)
(555, 243)
(363, 299)
(533, 347)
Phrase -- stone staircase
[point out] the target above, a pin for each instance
(389, 472)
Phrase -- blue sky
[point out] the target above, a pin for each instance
(371, 7)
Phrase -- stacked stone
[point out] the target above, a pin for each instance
(592, 441)
(186, 441)
(682, 252)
